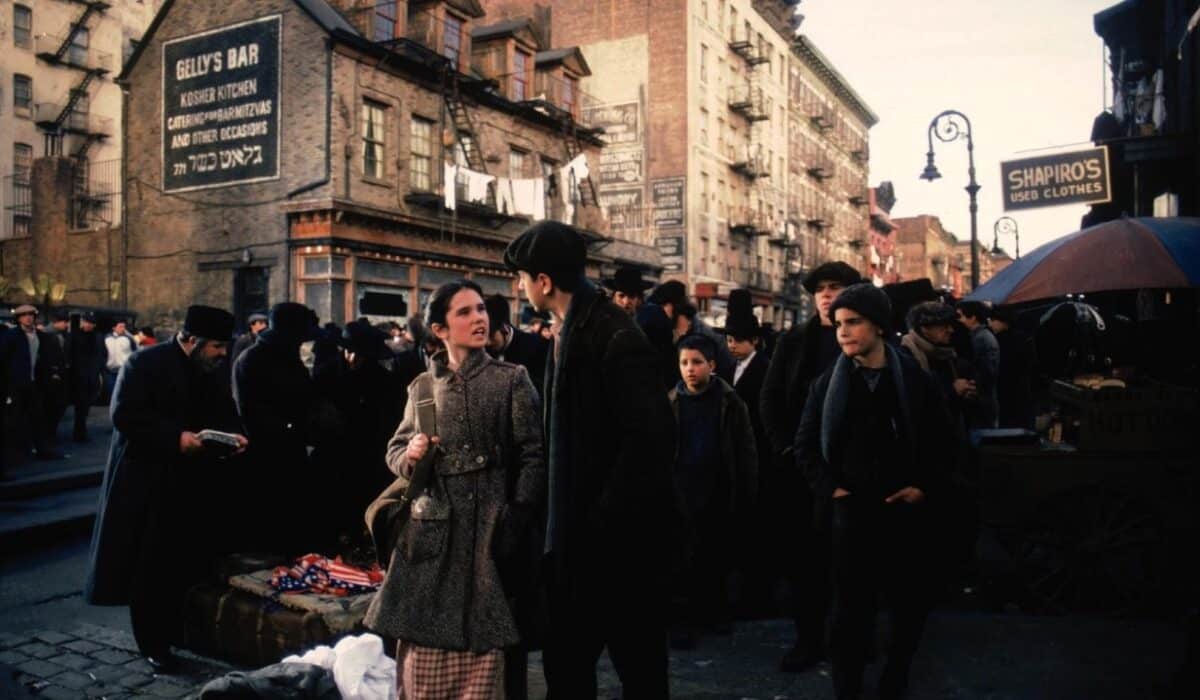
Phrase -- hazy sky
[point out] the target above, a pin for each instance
(1028, 73)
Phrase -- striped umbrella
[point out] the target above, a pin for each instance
(1142, 253)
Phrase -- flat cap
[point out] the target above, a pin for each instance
(258, 317)
(25, 309)
(835, 271)
(548, 247)
(867, 300)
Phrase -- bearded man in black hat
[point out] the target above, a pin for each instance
(610, 444)
(874, 446)
(514, 345)
(628, 288)
(274, 395)
(155, 523)
(801, 355)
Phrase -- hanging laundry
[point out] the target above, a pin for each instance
(449, 179)
(477, 185)
(1159, 110)
(504, 196)
(529, 197)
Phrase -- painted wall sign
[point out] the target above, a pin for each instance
(1081, 177)
(672, 249)
(620, 166)
(624, 207)
(618, 120)
(667, 196)
(220, 92)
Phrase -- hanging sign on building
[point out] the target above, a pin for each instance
(618, 122)
(1081, 177)
(620, 166)
(624, 208)
(666, 194)
(671, 248)
(220, 92)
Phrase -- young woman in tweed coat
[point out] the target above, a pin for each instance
(442, 597)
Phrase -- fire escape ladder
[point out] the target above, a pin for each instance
(77, 94)
(92, 8)
(81, 152)
(460, 117)
(587, 188)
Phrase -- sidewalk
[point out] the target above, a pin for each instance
(46, 500)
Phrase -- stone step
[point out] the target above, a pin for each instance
(41, 484)
(27, 522)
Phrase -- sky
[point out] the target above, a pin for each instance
(1028, 73)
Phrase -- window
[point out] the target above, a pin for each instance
(452, 38)
(22, 163)
(703, 63)
(78, 119)
(421, 145)
(733, 24)
(22, 26)
(705, 196)
(384, 25)
(520, 76)
(77, 55)
(373, 141)
(22, 94)
(703, 127)
(569, 95)
(516, 163)
(720, 14)
(704, 9)
(721, 135)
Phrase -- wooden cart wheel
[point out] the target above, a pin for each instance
(1092, 548)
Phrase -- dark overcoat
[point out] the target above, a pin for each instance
(611, 441)
(148, 500)
(529, 350)
(443, 587)
(739, 454)
(792, 368)
(87, 356)
(749, 390)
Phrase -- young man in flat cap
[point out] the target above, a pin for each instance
(801, 355)
(628, 288)
(610, 444)
(255, 323)
(156, 518)
(30, 366)
(510, 344)
(874, 445)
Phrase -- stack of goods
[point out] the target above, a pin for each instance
(313, 573)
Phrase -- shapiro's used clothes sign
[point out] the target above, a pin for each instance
(221, 106)
(1064, 178)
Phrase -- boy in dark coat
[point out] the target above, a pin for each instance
(611, 507)
(514, 345)
(716, 473)
(157, 499)
(794, 540)
(873, 444)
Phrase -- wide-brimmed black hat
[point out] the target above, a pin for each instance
(669, 292)
(294, 320)
(209, 322)
(548, 247)
(740, 321)
(361, 338)
(499, 314)
(835, 271)
(627, 280)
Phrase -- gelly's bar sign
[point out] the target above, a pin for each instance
(221, 106)
(1064, 178)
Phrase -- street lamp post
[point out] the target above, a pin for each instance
(1006, 225)
(948, 126)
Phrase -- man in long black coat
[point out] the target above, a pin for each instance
(87, 356)
(612, 506)
(515, 345)
(274, 394)
(801, 355)
(31, 368)
(158, 496)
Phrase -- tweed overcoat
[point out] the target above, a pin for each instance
(443, 587)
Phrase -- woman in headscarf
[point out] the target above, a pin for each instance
(443, 597)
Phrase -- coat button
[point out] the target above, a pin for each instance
(466, 448)
(480, 459)
(470, 496)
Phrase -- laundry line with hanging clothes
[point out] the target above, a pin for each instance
(514, 196)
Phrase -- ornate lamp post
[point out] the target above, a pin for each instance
(948, 126)
(1005, 225)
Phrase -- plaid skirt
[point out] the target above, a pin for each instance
(423, 673)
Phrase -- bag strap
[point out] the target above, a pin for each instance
(425, 405)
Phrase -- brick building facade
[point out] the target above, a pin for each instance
(732, 144)
(331, 188)
(926, 249)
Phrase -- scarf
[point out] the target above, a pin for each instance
(837, 396)
(922, 350)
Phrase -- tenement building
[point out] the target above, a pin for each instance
(732, 143)
(58, 99)
(350, 155)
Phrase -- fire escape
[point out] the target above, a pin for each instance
(72, 51)
(750, 101)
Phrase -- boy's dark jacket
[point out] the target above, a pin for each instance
(924, 431)
(739, 456)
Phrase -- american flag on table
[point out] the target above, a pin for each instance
(313, 573)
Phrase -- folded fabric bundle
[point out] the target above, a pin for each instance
(361, 668)
(313, 573)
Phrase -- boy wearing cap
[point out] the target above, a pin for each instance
(801, 355)
(873, 444)
(155, 524)
(716, 472)
(611, 506)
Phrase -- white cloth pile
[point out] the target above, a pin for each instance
(360, 667)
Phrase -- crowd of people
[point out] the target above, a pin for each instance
(621, 476)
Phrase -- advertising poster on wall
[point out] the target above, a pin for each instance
(220, 92)
(618, 122)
